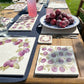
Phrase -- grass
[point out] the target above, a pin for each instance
(4, 5)
(73, 6)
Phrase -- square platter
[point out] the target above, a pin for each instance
(15, 53)
(56, 61)
(6, 21)
(16, 7)
(24, 23)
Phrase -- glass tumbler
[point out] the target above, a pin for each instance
(32, 10)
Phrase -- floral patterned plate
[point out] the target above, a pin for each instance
(45, 39)
(15, 54)
(57, 61)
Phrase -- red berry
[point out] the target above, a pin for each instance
(53, 22)
(47, 16)
(71, 20)
(58, 12)
(52, 16)
(67, 22)
(57, 23)
(59, 17)
(62, 24)
(47, 20)
(68, 17)
(64, 14)
(64, 18)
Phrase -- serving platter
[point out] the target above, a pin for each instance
(76, 22)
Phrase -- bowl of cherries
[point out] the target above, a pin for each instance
(59, 20)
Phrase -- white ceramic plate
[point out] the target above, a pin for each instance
(76, 22)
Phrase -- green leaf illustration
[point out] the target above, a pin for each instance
(13, 40)
(20, 49)
(44, 68)
(13, 58)
(20, 58)
(26, 39)
(48, 69)
(39, 59)
(4, 68)
(16, 65)
(28, 46)
(47, 57)
(41, 53)
(47, 66)
(1, 68)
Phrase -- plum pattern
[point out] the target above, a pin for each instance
(23, 48)
(23, 23)
(55, 59)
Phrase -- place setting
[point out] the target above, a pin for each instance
(57, 61)
(59, 24)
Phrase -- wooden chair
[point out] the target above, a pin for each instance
(81, 10)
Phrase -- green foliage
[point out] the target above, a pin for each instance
(5, 0)
(73, 6)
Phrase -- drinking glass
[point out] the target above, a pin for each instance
(32, 10)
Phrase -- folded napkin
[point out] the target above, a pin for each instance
(57, 5)
(58, 31)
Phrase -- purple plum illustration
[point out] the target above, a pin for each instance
(26, 44)
(58, 48)
(8, 41)
(50, 62)
(62, 69)
(50, 49)
(68, 59)
(69, 54)
(26, 50)
(54, 69)
(43, 60)
(61, 61)
(21, 53)
(40, 68)
(73, 69)
(64, 49)
(1, 43)
(45, 53)
(60, 53)
(44, 48)
(53, 55)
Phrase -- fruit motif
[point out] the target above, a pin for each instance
(54, 69)
(60, 19)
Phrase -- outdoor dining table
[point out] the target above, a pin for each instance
(77, 44)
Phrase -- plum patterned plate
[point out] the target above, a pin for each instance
(14, 55)
(76, 22)
(56, 61)
(24, 23)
